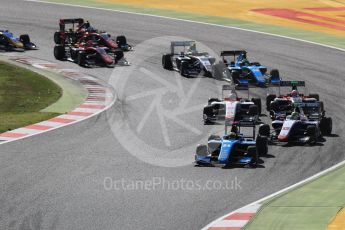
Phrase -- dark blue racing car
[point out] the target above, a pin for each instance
(234, 148)
(8, 42)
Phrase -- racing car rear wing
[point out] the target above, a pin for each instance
(292, 83)
(73, 21)
(232, 52)
(239, 125)
(180, 43)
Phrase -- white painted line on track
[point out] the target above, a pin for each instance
(190, 21)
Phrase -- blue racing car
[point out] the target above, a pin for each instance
(243, 72)
(8, 42)
(234, 149)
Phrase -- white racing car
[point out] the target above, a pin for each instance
(300, 128)
(232, 107)
(188, 61)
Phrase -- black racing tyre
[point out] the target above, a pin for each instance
(121, 40)
(167, 62)
(275, 74)
(213, 137)
(59, 52)
(25, 39)
(269, 99)
(208, 112)
(326, 126)
(235, 75)
(257, 102)
(201, 150)
(57, 38)
(274, 106)
(118, 55)
(81, 59)
(253, 110)
(183, 68)
(264, 130)
(314, 95)
(220, 71)
(262, 145)
(311, 133)
(213, 100)
(329, 126)
(252, 152)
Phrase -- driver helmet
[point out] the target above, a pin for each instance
(294, 115)
(87, 24)
(245, 61)
(232, 135)
(294, 93)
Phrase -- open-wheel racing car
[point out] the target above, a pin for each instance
(188, 62)
(231, 106)
(302, 128)
(234, 148)
(8, 42)
(244, 73)
(282, 105)
(86, 47)
(83, 30)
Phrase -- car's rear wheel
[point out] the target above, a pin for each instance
(57, 38)
(25, 38)
(257, 102)
(269, 99)
(81, 60)
(121, 40)
(253, 110)
(208, 112)
(183, 68)
(201, 150)
(59, 52)
(326, 126)
(262, 145)
(167, 62)
(252, 152)
(275, 74)
(219, 71)
(311, 133)
(118, 55)
(264, 130)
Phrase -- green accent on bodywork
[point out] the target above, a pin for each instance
(311, 206)
(284, 31)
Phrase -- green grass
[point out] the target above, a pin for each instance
(311, 206)
(23, 94)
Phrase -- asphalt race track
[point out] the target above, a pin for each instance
(56, 180)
